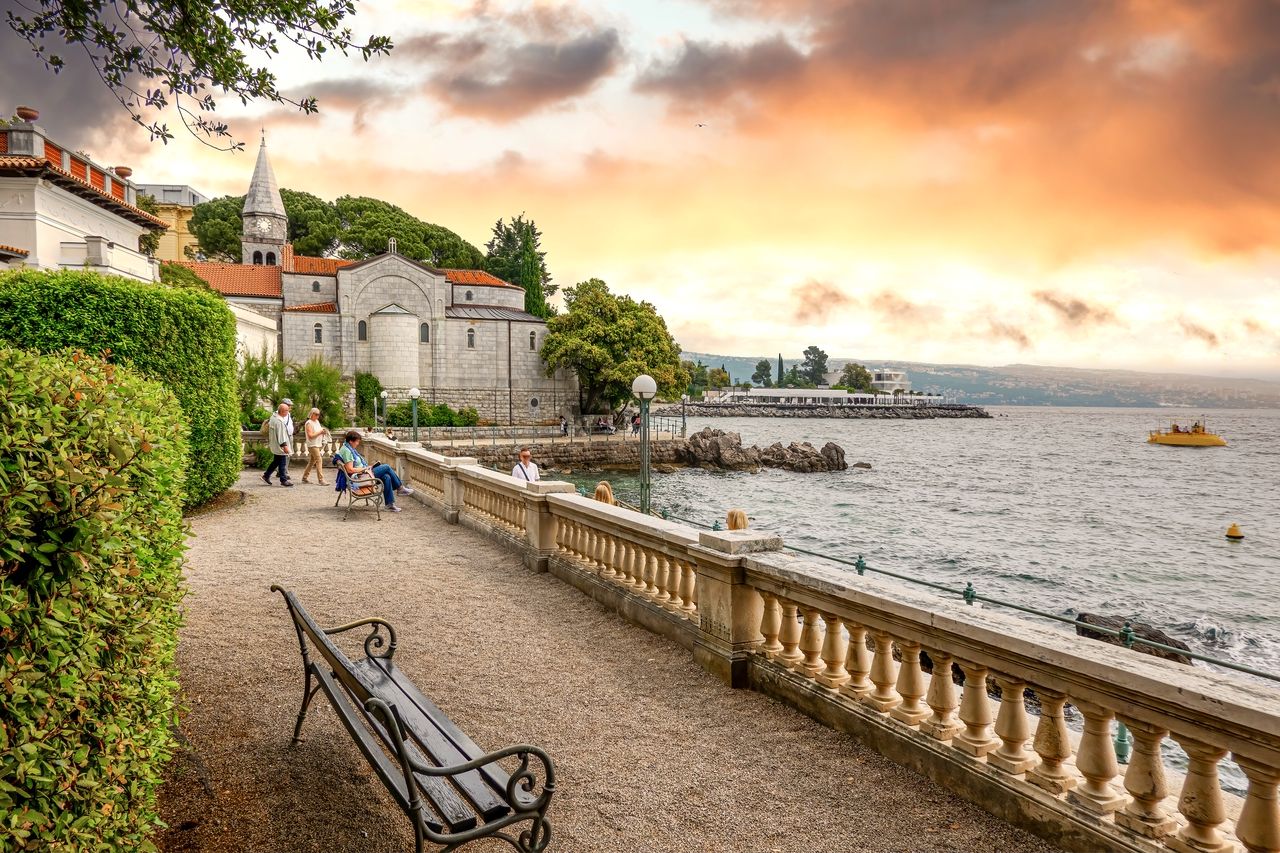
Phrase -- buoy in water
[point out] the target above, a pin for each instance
(1233, 533)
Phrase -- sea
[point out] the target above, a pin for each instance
(1065, 510)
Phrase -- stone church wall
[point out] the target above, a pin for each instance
(299, 290)
(298, 331)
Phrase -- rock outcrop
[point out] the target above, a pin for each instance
(723, 451)
(1141, 629)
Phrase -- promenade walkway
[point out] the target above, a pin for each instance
(659, 757)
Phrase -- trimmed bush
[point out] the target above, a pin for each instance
(439, 415)
(184, 338)
(92, 460)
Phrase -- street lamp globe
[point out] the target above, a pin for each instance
(644, 387)
(383, 395)
(415, 393)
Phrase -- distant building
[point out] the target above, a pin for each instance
(783, 397)
(176, 203)
(460, 336)
(888, 381)
(61, 210)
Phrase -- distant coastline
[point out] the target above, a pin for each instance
(742, 410)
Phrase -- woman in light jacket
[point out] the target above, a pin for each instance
(317, 435)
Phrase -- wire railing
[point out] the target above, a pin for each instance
(1127, 635)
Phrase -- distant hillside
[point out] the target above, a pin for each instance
(1032, 385)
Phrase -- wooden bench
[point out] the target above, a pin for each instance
(451, 790)
(362, 489)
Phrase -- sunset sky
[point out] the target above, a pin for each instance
(1034, 181)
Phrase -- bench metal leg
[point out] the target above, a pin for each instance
(308, 692)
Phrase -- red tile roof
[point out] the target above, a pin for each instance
(477, 277)
(237, 279)
(38, 166)
(315, 308)
(307, 265)
(13, 250)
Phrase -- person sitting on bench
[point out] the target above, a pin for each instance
(355, 465)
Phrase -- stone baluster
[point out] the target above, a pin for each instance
(1013, 728)
(661, 579)
(858, 663)
(642, 574)
(1258, 826)
(609, 555)
(652, 566)
(674, 579)
(884, 675)
(942, 724)
(689, 591)
(1053, 745)
(1145, 782)
(835, 648)
(562, 535)
(771, 626)
(622, 560)
(911, 687)
(975, 713)
(789, 636)
(1201, 801)
(1096, 761)
(810, 643)
(570, 528)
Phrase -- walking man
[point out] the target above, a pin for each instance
(526, 469)
(279, 438)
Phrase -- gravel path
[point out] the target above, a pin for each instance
(652, 753)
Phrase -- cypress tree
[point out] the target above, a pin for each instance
(780, 371)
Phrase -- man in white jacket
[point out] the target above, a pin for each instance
(278, 438)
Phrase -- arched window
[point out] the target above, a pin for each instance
(424, 334)
(319, 333)
(362, 331)
(467, 296)
(315, 287)
(271, 259)
(471, 338)
(257, 259)
(533, 341)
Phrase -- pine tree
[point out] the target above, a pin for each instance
(781, 371)
(515, 255)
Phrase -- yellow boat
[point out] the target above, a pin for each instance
(1194, 436)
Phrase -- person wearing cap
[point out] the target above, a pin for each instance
(278, 436)
(288, 421)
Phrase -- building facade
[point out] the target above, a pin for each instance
(462, 337)
(61, 210)
(174, 204)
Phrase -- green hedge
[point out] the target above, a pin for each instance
(92, 461)
(185, 338)
(401, 415)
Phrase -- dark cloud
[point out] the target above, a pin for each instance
(1075, 312)
(1195, 330)
(1008, 332)
(704, 71)
(814, 300)
(361, 97)
(895, 307)
(510, 65)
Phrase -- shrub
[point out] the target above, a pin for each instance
(368, 389)
(92, 460)
(316, 384)
(261, 455)
(184, 338)
(401, 415)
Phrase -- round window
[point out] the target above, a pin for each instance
(533, 403)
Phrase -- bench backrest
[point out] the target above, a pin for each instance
(309, 631)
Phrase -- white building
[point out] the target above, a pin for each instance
(815, 397)
(61, 210)
(887, 380)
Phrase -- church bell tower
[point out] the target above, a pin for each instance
(265, 224)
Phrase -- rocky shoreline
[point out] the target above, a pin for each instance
(740, 410)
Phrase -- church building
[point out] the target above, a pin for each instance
(460, 336)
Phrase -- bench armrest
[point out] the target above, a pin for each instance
(522, 784)
(374, 643)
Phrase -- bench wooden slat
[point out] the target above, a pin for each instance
(425, 728)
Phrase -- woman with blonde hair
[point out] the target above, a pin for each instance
(604, 493)
(737, 519)
(317, 435)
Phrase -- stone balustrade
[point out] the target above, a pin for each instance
(911, 674)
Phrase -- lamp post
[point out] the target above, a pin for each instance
(383, 395)
(414, 394)
(684, 421)
(645, 389)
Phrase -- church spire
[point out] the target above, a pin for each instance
(263, 198)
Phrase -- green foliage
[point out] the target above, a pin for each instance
(763, 373)
(164, 53)
(92, 459)
(176, 275)
(855, 377)
(439, 415)
(314, 226)
(795, 378)
(698, 378)
(368, 389)
(217, 225)
(149, 242)
(185, 339)
(782, 371)
(514, 254)
(608, 341)
(262, 454)
(316, 384)
(718, 377)
(814, 368)
(259, 387)
(367, 224)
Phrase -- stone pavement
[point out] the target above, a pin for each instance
(652, 753)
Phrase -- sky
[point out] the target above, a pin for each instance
(965, 181)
